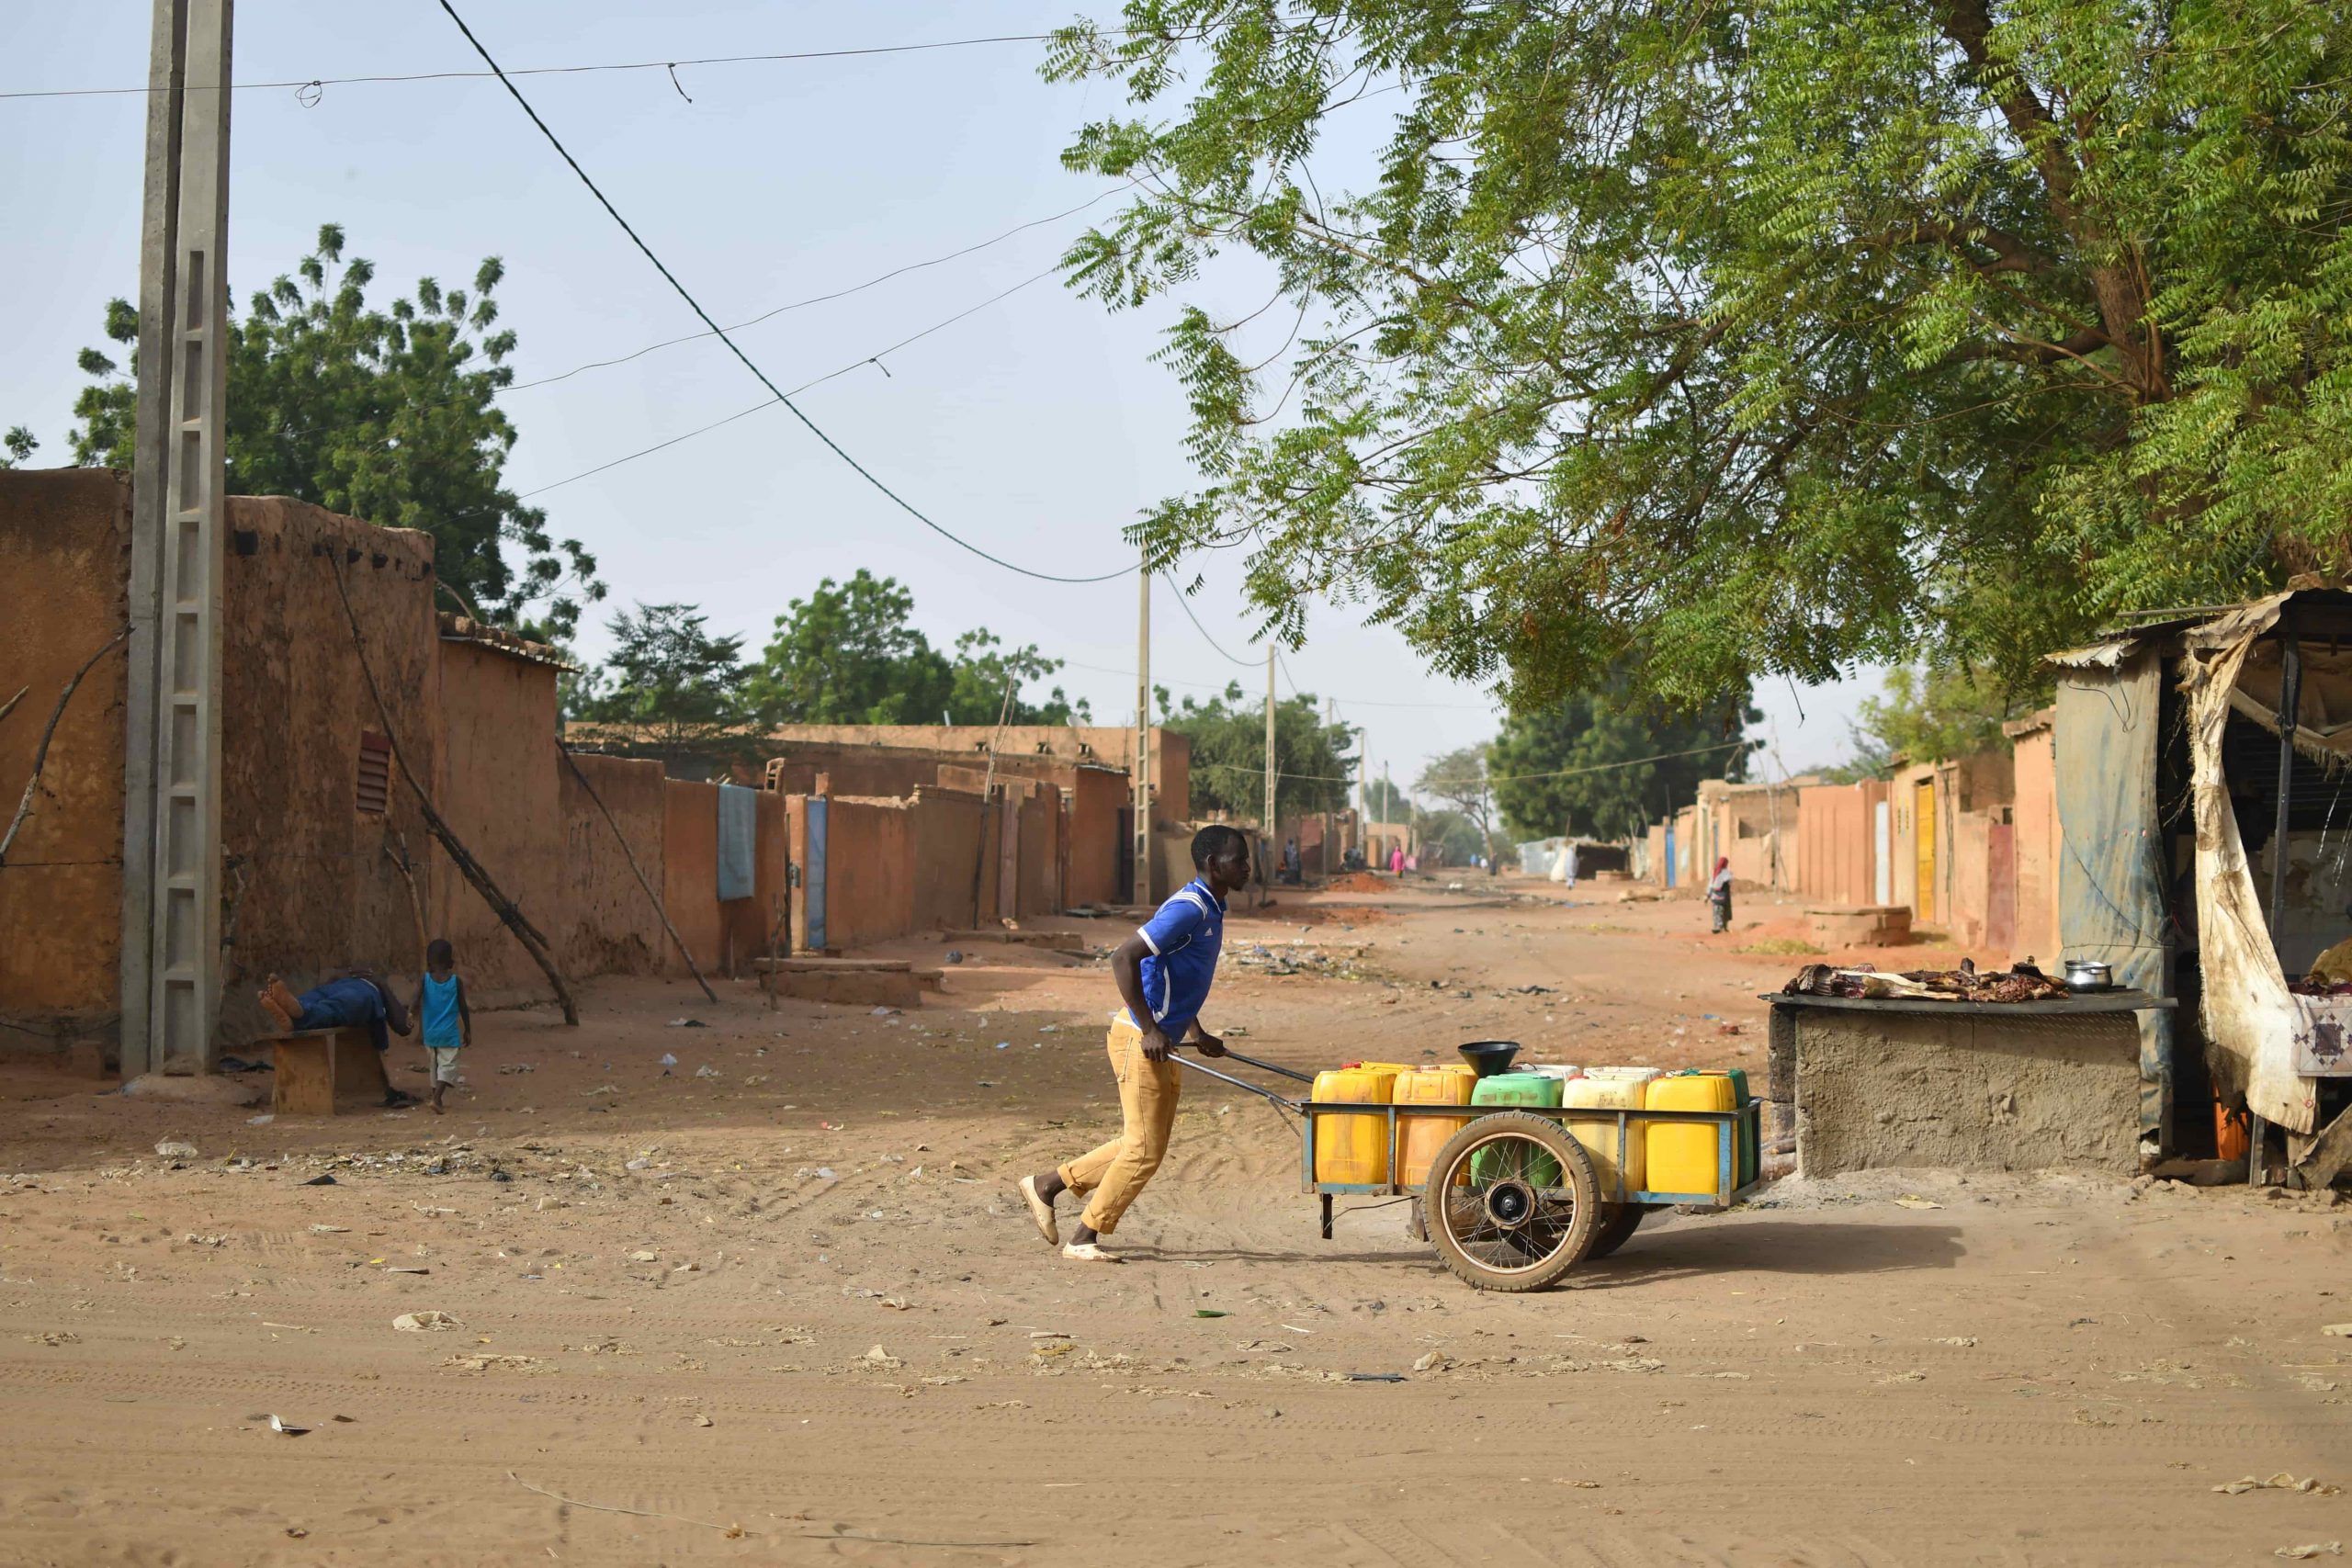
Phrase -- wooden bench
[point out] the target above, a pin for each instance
(314, 1068)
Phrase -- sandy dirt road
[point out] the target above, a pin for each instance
(789, 1311)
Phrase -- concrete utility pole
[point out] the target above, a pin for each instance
(171, 869)
(1364, 776)
(1143, 730)
(1273, 826)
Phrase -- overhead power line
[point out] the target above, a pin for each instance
(874, 359)
(1185, 602)
(836, 294)
(558, 70)
(1498, 778)
(909, 507)
(1220, 685)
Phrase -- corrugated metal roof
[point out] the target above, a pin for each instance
(465, 628)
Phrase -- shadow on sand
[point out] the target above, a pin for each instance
(1762, 1244)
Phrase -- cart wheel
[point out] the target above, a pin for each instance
(1616, 1228)
(1512, 1203)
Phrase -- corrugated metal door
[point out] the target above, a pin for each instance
(1923, 830)
(814, 874)
(1883, 860)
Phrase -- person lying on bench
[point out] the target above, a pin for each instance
(354, 997)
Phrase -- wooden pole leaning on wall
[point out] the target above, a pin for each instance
(988, 807)
(406, 866)
(636, 871)
(462, 858)
(40, 752)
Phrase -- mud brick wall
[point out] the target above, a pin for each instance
(500, 792)
(609, 926)
(319, 891)
(64, 576)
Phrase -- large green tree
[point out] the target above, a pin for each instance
(389, 415)
(850, 654)
(1313, 760)
(1726, 339)
(1607, 765)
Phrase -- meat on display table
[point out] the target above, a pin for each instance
(1870, 1084)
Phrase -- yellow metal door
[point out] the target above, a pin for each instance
(1923, 822)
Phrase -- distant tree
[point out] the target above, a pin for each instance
(20, 446)
(1385, 802)
(1872, 758)
(1607, 765)
(1452, 834)
(669, 690)
(1229, 736)
(984, 671)
(850, 654)
(1931, 714)
(386, 415)
(1459, 778)
(847, 655)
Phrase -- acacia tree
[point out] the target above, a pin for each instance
(1459, 778)
(389, 415)
(1760, 337)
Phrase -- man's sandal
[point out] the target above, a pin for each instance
(1087, 1252)
(1042, 1210)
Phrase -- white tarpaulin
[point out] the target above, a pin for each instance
(2256, 1029)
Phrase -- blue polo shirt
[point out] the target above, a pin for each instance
(1185, 938)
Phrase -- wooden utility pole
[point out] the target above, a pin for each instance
(171, 852)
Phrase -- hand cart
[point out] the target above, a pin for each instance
(1524, 1202)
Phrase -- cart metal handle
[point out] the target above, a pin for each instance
(1268, 1066)
(1260, 1091)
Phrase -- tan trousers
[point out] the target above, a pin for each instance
(1116, 1172)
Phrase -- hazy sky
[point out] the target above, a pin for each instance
(1037, 426)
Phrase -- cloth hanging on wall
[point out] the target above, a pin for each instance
(738, 836)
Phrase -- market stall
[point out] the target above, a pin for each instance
(2205, 800)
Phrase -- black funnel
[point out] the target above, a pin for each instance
(1491, 1056)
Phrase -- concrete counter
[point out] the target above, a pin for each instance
(1965, 1086)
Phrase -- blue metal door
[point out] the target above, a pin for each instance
(1669, 857)
(813, 875)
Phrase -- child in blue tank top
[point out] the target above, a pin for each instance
(441, 1015)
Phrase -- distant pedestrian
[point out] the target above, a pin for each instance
(441, 1007)
(1163, 973)
(1719, 894)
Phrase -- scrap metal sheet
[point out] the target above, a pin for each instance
(2252, 1021)
(2110, 895)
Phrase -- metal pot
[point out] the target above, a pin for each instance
(2089, 974)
